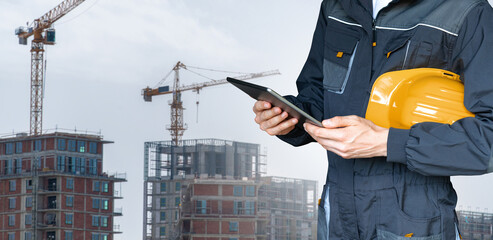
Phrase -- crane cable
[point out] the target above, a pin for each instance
(78, 15)
(200, 74)
(163, 80)
(214, 70)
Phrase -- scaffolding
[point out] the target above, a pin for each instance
(291, 206)
(475, 225)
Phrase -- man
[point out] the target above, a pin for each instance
(392, 183)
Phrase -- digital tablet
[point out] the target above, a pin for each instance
(266, 94)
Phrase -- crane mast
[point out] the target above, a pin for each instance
(43, 35)
(177, 126)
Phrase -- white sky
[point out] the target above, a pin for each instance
(107, 51)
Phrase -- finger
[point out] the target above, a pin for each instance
(275, 120)
(268, 114)
(316, 131)
(260, 106)
(284, 127)
(340, 121)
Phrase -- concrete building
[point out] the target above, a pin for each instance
(291, 207)
(475, 225)
(52, 186)
(214, 189)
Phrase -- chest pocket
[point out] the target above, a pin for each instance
(339, 53)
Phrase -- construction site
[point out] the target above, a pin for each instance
(217, 189)
(54, 185)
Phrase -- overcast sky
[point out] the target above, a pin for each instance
(107, 51)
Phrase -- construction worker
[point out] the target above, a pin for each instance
(391, 183)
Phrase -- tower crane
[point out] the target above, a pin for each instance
(44, 34)
(177, 126)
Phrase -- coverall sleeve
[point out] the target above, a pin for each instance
(309, 84)
(465, 147)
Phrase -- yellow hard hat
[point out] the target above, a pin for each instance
(400, 99)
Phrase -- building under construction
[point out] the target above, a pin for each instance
(290, 205)
(52, 186)
(475, 225)
(215, 189)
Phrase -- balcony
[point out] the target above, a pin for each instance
(118, 212)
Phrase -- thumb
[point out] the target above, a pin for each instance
(338, 122)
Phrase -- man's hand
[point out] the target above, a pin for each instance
(350, 137)
(272, 119)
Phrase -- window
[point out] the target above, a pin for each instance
(77, 165)
(11, 236)
(69, 201)
(70, 183)
(250, 191)
(71, 145)
(29, 184)
(18, 147)
(29, 219)
(11, 220)
(82, 166)
(233, 226)
(201, 206)
(9, 166)
(104, 186)
(29, 201)
(177, 201)
(69, 235)
(163, 187)
(81, 146)
(95, 186)
(69, 217)
(61, 163)
(12, 185)
(28, 236)
(177, 186)
(11, 203)
(71, 164)
(9, 148)
(249, 208)
(95, 221)
(238, 191)
(104, 237)
(95, 203)
(37, 145)
(162, 231)
(93, 166)
(104, 204)
(238, 208)
(95, 236)
(104, 221)
(176, 215)
(162, 216)
(93, 147)
(51, 202)
(18, 165)
(298, 223)
(163, 202)
(61, 144)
